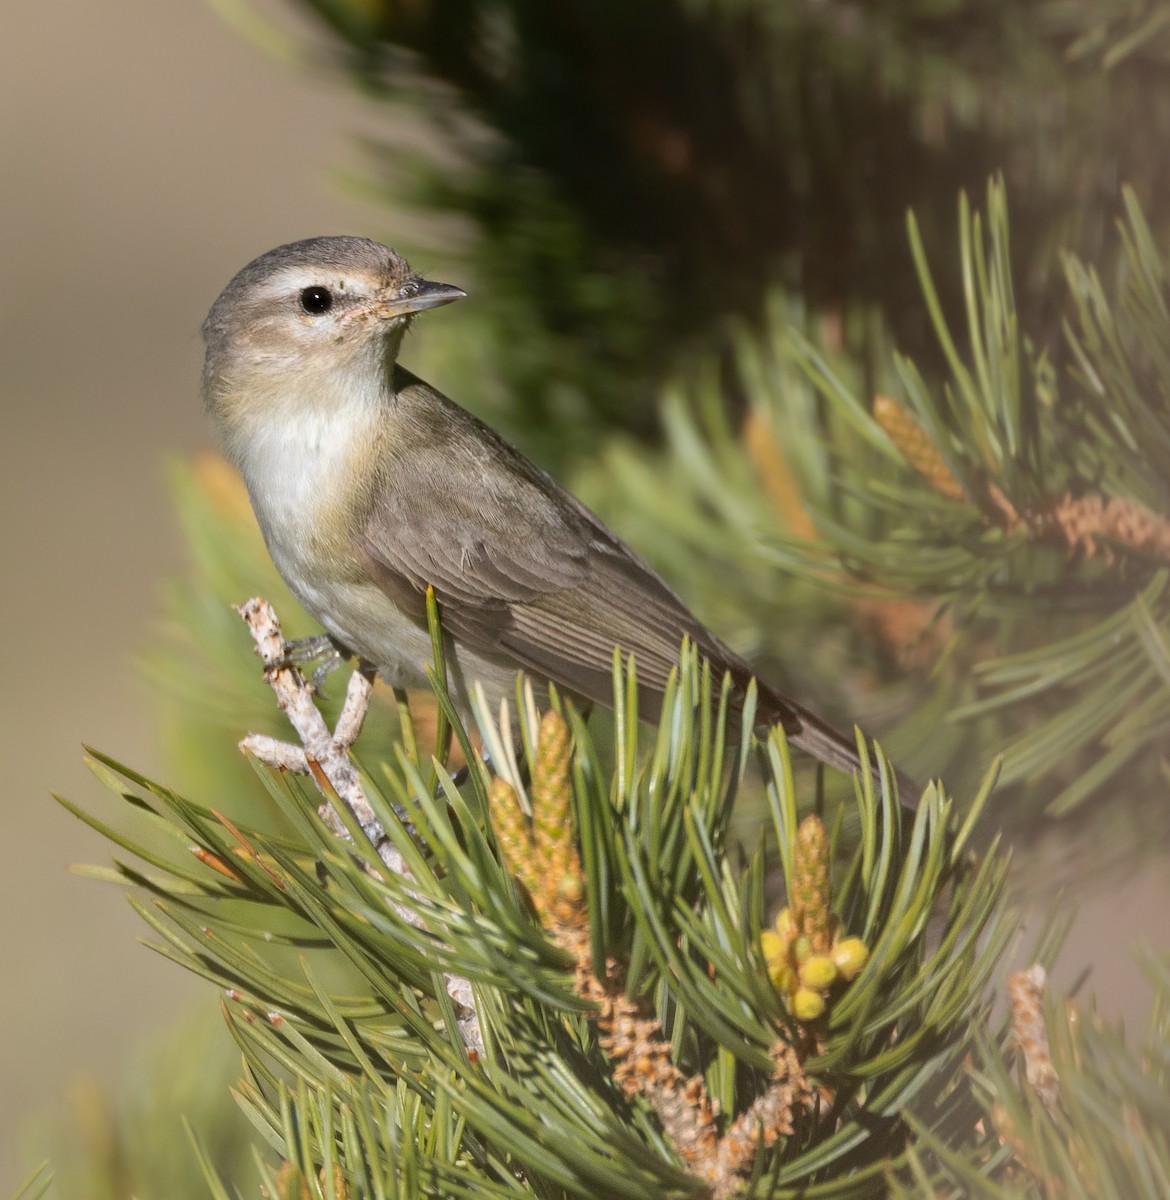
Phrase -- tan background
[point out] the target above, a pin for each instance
(146, 152)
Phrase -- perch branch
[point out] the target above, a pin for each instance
(324, 755)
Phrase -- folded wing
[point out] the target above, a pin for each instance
(524, 572)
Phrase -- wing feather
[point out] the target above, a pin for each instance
(521, 569)
(525, 573)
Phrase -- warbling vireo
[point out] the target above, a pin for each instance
(369, 485)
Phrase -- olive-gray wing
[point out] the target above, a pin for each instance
(557, 605)
(523, 572)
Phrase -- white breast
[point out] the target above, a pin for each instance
(298, 468)
(298, 472)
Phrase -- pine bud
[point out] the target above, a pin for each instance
(916, 447)
(552, 791)
(512, 830)
(783, 977)
(807, 1005)
(850, 955)
(819, 972)
(772, 946)
(784, 925)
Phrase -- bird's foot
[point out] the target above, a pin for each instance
(316, 656)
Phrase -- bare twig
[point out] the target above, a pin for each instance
(324, 755)
(353, 711)
(272, 752)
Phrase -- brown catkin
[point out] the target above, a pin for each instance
(512, 831)
(810, 884)
(916, 447)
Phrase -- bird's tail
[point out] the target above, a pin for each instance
(807, 731)
(824, 743)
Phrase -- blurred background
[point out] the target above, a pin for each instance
(145, 157)
(632, 194)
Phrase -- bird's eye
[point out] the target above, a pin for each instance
(316, 300)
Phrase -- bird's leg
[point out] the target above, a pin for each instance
(316, 656)
(461, 776)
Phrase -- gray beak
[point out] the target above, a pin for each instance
(416, 295)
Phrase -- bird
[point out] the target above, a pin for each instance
(370, 486)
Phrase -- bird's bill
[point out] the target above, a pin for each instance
(417, 295)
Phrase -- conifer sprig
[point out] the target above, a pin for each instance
(935, 515)
(631, 1032)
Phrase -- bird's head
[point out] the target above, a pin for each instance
(309, 323)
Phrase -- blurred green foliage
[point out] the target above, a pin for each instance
(635, 173)
(1011, 596)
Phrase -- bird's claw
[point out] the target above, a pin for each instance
(317, 656)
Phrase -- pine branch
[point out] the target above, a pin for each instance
(1088, 1117)
(324, 756)
(917, 537)
(632, 1036)
(547, 863)
(1083, 526)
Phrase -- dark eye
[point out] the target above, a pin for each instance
(316, 300)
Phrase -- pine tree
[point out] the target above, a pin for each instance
(927, 489)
